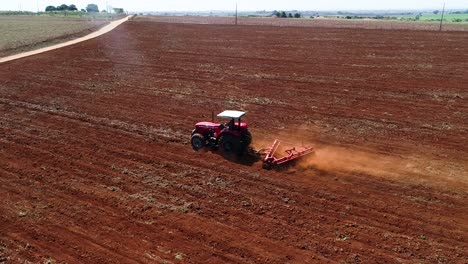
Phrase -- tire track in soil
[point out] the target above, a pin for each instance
(347, 116)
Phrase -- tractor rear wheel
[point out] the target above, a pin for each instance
(246, 139)
(198, 141)
(230, 144)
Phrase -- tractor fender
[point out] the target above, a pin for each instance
(228, 132)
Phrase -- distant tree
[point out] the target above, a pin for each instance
(62, 7)
(278, 14)
(83, 10)
(103, 11)
(92, 8)
(72, 8)
(50, 8)
(435, 12)
(297, 15)
(118, 10)
(290, 15)
(283, 14)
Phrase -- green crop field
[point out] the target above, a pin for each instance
(22, 33)
(436, 17)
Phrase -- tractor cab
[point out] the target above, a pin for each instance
(235, 122)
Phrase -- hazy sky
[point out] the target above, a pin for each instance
(186, 5)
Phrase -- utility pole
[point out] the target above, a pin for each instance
(236, 13)
(442, 18)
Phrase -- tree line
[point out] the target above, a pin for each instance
(91, 8)
(282, 14)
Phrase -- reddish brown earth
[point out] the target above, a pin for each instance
(96, 166)
(306, 22)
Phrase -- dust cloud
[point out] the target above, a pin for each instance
(333, 158)
(415, 168)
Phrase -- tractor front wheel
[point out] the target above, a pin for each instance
(198, 141)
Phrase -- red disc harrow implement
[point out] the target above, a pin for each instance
(293, 153)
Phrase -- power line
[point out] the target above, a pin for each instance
(236, 13)
(442, 18)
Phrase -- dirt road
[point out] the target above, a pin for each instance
(112, 25)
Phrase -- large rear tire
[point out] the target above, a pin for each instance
(246, 139)
(198, 141)
(230, 144)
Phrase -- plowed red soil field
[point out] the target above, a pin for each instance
(96, 165)
(306, 22)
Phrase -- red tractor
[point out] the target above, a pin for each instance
(231, 137)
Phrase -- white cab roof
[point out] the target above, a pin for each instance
(231, 114)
